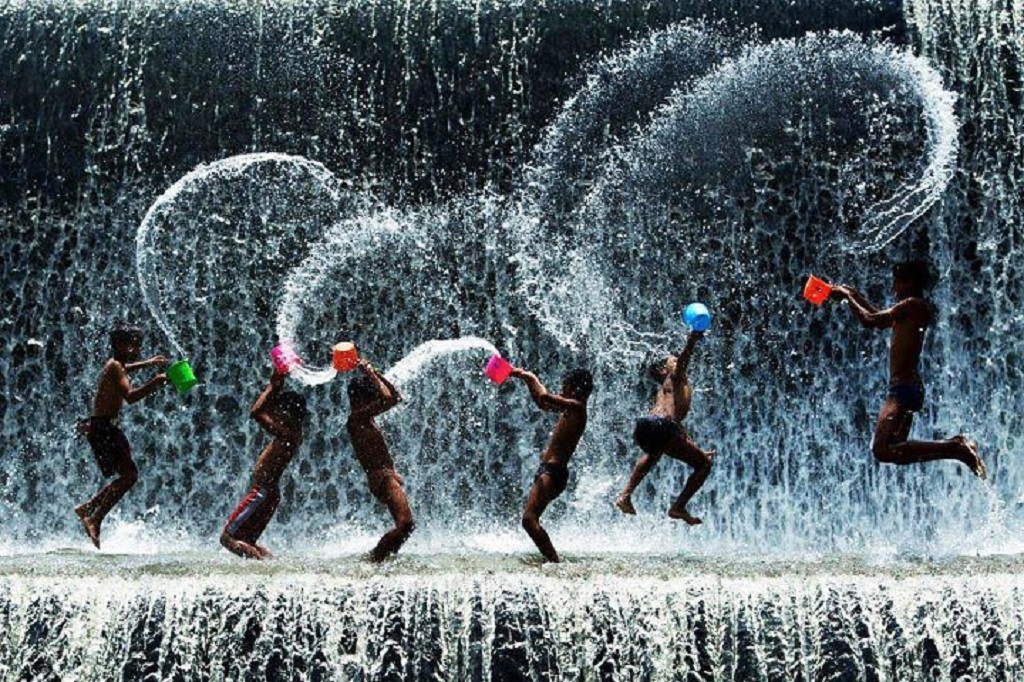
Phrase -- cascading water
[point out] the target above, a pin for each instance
(437, 182)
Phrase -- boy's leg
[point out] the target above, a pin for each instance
(544, 490)
(684, 449)
(642, 468)
(398, 504)
(95, 510)
(242, 548)
(890, 444)
(262, 518)
(248, 522)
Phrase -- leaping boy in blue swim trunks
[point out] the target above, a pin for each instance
(281, 414)
(908, 319)
(661, 433)
(553, 474)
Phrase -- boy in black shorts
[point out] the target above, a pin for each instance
(553, 473)
(661, 433)
(371, 395)
(909, 319)
(103, 431)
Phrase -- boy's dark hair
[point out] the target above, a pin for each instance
(917, 272)
(292, 404)
(122, 332)
(581, 381)
(362, 387)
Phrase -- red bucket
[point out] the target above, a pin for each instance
(817, 290)
(345, 357)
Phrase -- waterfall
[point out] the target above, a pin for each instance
(512, 626)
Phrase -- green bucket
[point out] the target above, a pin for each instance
(180, 374)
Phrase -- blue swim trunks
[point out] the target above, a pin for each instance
(909, 397)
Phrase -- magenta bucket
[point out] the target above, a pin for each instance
(285, 358)
(498, 369)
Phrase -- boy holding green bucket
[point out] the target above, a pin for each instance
(108, 443)
(281, 414)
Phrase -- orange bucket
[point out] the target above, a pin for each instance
(817, 290)
(346, 358)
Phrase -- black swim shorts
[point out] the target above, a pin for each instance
(653, 432)
(559, 474)
(109, 446)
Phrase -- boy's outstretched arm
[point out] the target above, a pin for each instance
(683, 362)
(396, 396)
(867, 314)
(134, 395)
(541, 396)
(859, 297)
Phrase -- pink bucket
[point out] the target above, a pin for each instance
(285, 358)
(498, 369)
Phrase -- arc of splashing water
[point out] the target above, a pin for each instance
(620, 94)
(409, 367)
(345, 241)
(621, 91)
(892, 217)
(229, 167)
(888, 218)
(886, 222)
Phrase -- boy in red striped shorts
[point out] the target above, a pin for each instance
(281, 414)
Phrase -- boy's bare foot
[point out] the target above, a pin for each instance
(971, 459)
(264, 552)
(92, 528)
(683, 515)
(625, 505)
(251, 551)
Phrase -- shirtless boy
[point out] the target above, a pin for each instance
(109, 446)
(371, 395)
(908, 319)
(661, 433)
(281, 414)
(553, 473)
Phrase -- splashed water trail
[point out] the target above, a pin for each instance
(418, 361)
(255, 212)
